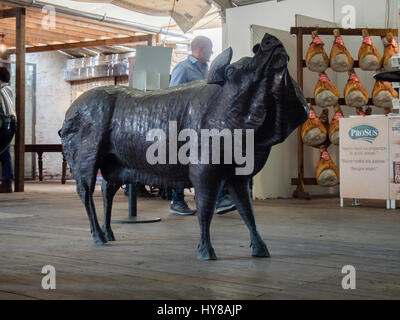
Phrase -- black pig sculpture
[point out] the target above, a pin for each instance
(105, 128)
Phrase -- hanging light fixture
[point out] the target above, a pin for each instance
(3, 46)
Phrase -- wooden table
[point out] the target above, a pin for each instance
(40, 149)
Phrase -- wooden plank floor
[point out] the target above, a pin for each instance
(310, 242)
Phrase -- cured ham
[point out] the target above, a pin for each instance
(313, 131)
(355, 94)
(317, 60)
(325, 92)
(327, 173)
(368, 57)
(391, 48)
(333, 131)
(383, 94)
(340, 59)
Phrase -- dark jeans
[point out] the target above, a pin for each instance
(178, 196)
(7, 168)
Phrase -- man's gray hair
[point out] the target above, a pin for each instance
(200, 41)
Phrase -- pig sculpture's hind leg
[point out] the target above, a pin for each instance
(108, 190)
(85, 187)
(239, 190)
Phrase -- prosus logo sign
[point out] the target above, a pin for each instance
(364, 132)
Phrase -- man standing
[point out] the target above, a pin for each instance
(6, 108)
(195, 68)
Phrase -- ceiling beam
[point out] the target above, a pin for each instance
(106, 42)
(45, 35)
(242, 3)
(223, 4)
(9, 13)
(91, 32)
(54, 35)
(74, 21)
(10, 40)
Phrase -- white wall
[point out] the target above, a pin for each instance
(278, 15)
(369, 13)
(53, 98)
(275, 180)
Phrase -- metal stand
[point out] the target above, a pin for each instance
(390, 204)
(132, 214)
(354, 203)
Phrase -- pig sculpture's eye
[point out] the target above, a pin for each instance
(230, 72)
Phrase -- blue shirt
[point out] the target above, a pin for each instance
(188, 71)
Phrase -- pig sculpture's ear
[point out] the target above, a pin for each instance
(216, 75)
(269, 42)
(256, 48)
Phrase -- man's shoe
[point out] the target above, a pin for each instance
(181, 208)
(225, 205)
(144, 194)
(141, 191)
(5, 189)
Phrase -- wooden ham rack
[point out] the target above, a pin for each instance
(301, 181)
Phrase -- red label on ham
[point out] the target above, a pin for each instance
(339, 40)
(323, 77)
(317, 40)
(354, 77)
(325, 155)
(337, 116)
(367, 40)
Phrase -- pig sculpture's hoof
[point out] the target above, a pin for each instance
(260, 250)
(206, 253)
(99, 238)
(108, 234)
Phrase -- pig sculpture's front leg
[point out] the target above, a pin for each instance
(206, 184)
(239, 189)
